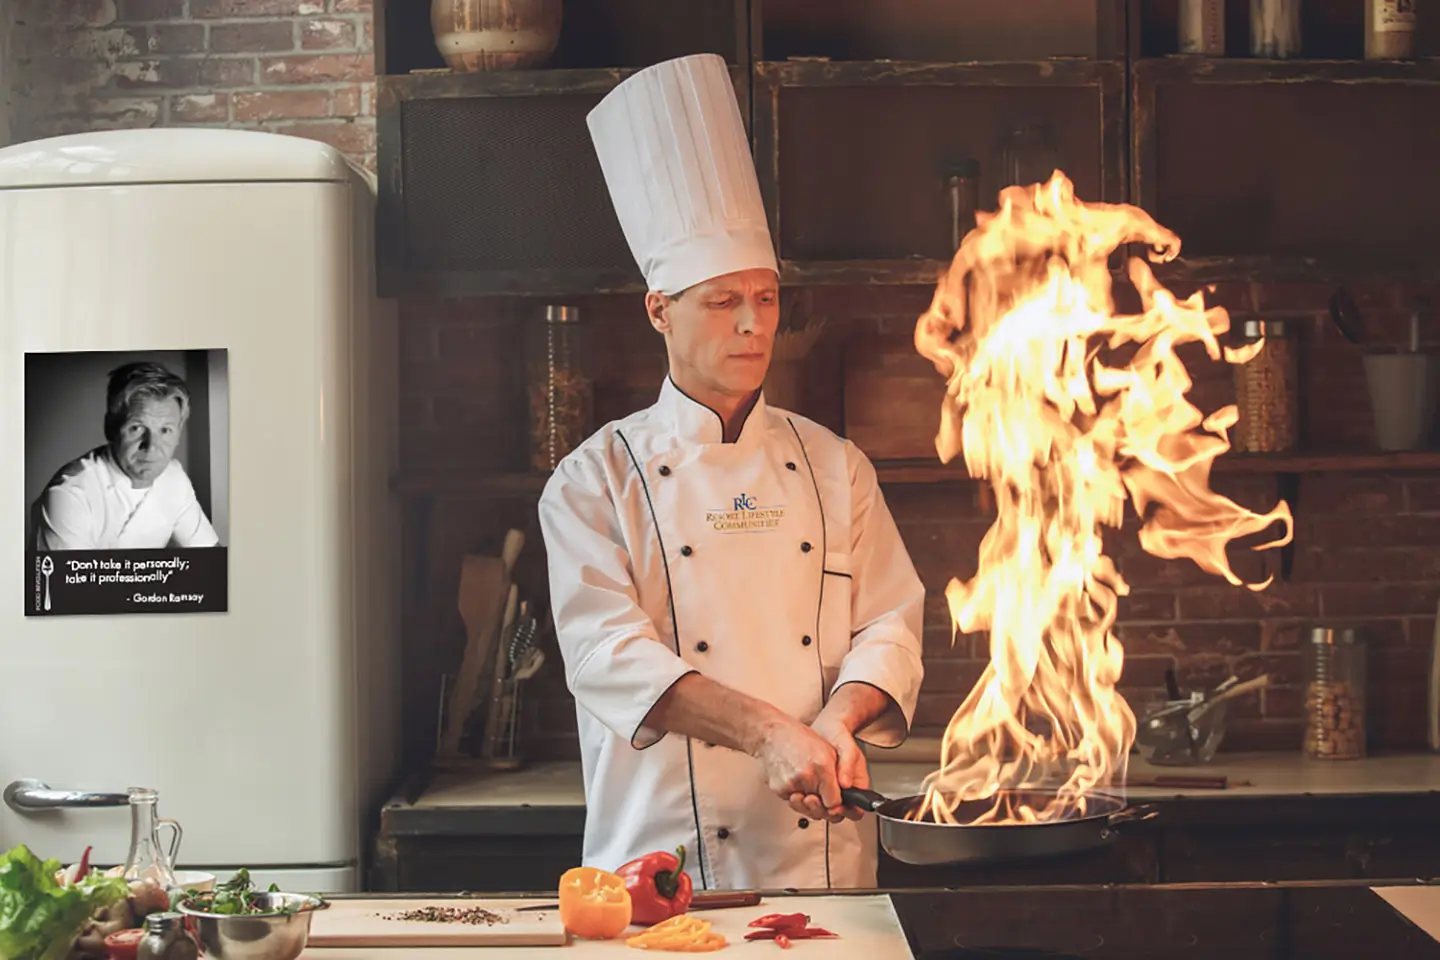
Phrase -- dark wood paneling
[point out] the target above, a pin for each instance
(490, 185)
(1322, 160)
(1128, 923)
(883, 137)
(936, 30)
(636, 33)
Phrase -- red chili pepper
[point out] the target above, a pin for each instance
(659, 888)
(782, 940)
(84, 867)
(782, 921)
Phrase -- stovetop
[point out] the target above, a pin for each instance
(1167, 922)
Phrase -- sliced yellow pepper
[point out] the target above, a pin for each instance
(679, 934)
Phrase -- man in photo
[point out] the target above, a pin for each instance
(130, 493)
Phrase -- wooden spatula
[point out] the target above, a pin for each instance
(484, 583)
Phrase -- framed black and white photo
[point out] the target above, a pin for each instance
(126, 482)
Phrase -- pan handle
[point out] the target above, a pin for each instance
(863, 799)
(1145, 811)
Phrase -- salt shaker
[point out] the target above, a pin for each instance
(1334, 694)
(166, 939)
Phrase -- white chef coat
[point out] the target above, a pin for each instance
(92, 505)
(771, 565)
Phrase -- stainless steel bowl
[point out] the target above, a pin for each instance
(266, 936)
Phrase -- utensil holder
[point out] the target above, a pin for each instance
(1403, 396)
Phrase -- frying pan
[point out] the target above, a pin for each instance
(924, 843)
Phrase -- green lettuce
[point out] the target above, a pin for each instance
(39, 918)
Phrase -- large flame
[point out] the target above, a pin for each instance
(1066, 407)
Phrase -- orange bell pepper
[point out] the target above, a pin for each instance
(594, 904)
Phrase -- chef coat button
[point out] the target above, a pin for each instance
(805, 547)
(805, 641)
(702, 646)
(789, 464)
(723, 834)
(685, 551)
(664, 471)
(803, 823)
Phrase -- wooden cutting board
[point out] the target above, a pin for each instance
(374, 923)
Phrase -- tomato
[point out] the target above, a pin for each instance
(594, 904)
(124, 944)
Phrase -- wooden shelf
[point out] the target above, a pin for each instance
(1184, 68)
(593, 33)
(928, 472)
(441, 84)
(1267, 269)
(824, 72)
(919, 271)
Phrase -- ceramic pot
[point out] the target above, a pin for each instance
(474, 35)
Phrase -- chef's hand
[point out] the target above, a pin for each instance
(800, 767)
(850, 767)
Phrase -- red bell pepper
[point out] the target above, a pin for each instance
(659, 888)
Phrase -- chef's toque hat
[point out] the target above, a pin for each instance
(675, 157)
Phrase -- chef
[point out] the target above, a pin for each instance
(129, 493)
(734, 605)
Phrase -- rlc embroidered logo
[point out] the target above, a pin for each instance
(745, 515)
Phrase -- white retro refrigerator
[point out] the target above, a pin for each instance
(197, 542)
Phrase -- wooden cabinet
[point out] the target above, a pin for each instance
(1194, 840)
(488, 181)
(489, 185)
(1290, 169)
(855, 158)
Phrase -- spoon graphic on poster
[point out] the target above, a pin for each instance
(47, 567)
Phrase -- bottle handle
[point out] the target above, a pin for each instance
(174, 852)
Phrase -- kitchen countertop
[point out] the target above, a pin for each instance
(558, 784)
(1270, 921)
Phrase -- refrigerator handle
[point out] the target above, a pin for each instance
(32, 796)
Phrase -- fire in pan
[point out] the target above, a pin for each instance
(925, 842)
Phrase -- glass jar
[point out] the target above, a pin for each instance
(1389, 29)
(1267, 391)
(166, 939)
(1027, 156)
(1334, 694)
(148, 860)
(963, 184)
(561, 389)
(1275, 28)
(1202, 27)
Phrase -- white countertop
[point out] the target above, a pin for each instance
(558, 783)
(866, 925)
(1419, 905)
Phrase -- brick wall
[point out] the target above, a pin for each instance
(7, 34)
(300, 67)
(1366, 543)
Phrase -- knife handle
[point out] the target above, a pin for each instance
(721, 899)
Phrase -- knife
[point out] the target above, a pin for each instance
(702, 900)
